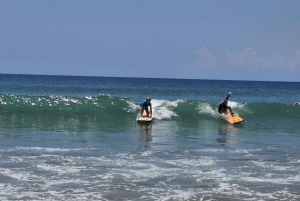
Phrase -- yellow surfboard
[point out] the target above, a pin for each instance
(144, 118)
(233, 119)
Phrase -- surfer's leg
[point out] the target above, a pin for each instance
(142, 110)
(229, 108)
(146, 108)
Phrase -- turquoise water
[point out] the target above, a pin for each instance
(77, 138)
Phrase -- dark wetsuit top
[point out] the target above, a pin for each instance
(145, 105)
(222, 107)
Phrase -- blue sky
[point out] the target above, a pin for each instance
(227, 40)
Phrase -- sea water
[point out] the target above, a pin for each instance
(77, 138)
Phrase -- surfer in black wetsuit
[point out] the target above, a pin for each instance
(297, 103)
(223, 107)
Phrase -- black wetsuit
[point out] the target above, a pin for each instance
(222, 107)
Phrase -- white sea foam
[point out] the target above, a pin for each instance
(88, 97)
(45, 149)
(205, 108)
(19, 174)
(132, 106)
(179, 195)
(162, 108)
(239, 107)
(82, 178)
(233, 104)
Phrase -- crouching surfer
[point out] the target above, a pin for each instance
(144, 107)
(223, 107)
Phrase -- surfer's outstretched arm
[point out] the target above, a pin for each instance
(229, 93)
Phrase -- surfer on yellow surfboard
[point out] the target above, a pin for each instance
(223, 107)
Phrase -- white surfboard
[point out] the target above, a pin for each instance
(144, 118)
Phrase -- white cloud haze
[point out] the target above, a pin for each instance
(203, 60)
(248, 59)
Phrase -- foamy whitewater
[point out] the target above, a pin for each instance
(77, 138)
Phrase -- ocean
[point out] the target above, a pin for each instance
(77, 138)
